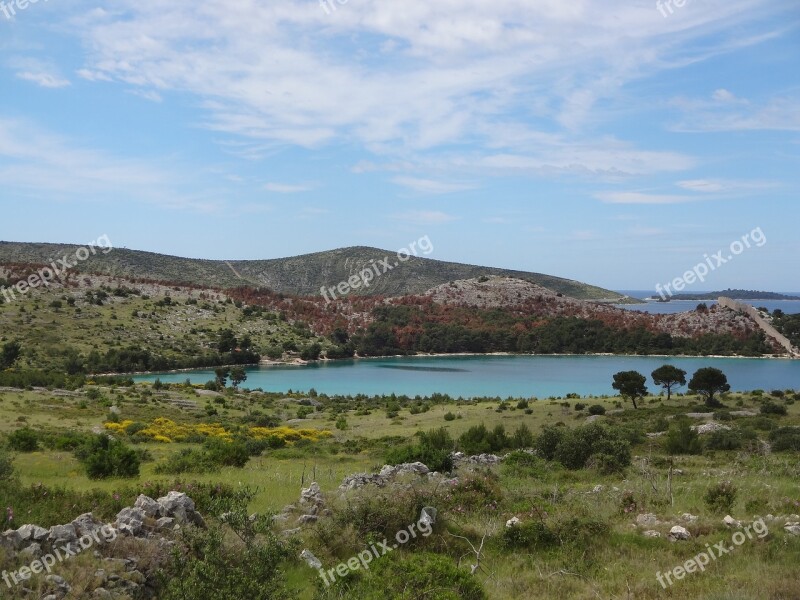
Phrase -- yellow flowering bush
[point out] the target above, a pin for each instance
(168, 431)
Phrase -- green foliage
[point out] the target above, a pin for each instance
(404, 576)
(240, 558)
(708, 382)
(594, 445)
(630, 385)
(227, 454)
(104, 457)
(311, 352)
(341, 423)
(591, 445)
(187, 460)
(723, 439)
(785, 439)
(597, 409)
(23, 440)
(682, 439)
(669, 377)
(9, 354)
(449, 416)
(531, 535)
(721, 497)
(433, 450)
(773, 408)
(524, 464)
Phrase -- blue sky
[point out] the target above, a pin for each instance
(600, 141)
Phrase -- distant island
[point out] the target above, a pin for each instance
(735, 295)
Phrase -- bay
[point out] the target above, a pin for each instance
(495, 375)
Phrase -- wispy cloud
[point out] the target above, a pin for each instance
(430, 186)
(425, 217)
(288, 188)
(642, 198)
(42, 73)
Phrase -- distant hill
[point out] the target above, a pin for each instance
(735, 295)
(300, 275)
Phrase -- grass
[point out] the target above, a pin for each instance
(622, 564)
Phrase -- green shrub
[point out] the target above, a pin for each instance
(23, 440)
(449, 416)
(524, 464)
(227, 454)
(341, 423)
(404, 577)
(593, 446)
(771, 408)
(241, 558)
(719, 498)
(530, 535)
(785, 439)
(187, 460)
(579, 406)
(474, 492)
(682, 439)
(597, 409)
(433, 450)
(723, 439)
(104, 457)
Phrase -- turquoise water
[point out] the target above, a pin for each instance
(472, 376)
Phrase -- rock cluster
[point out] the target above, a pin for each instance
(147, 518)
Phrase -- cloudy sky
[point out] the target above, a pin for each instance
(611, 142)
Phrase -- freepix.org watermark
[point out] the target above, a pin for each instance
(102, 535)
(712, 263)
(703, 559)
(363, 559)
(10, 9)
(378, 267)
(57, 269)
(666, 7)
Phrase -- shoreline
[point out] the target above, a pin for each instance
(298, 362)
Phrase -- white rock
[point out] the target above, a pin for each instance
(513, 522)
(679, 533)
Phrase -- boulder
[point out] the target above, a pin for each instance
(679, 533)
(130, 521)
(311, 560)
(62, 534)
(148, 506)
(178, 506)
(87, 524)
(31, 552)
(32, 533)
(729, 521)
(513, 522)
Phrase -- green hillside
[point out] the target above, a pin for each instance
(302, 275)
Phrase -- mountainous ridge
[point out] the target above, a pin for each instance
(303, 275)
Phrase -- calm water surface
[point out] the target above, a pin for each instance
(472, 376)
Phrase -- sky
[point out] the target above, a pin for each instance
(617, 143)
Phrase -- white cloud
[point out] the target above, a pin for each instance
(450, 72)
(287, 188)
(425, 217)
(642, 198)
(42, 73)
(430, 186)
(46, 80)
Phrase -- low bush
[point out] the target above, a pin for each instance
(104, 457)
(785, 439)
(23, 440)
(682, 439)
(597, 409)
(720, 498)
(524, 464)
(772, 408)
(405, 576)
(723, 439)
